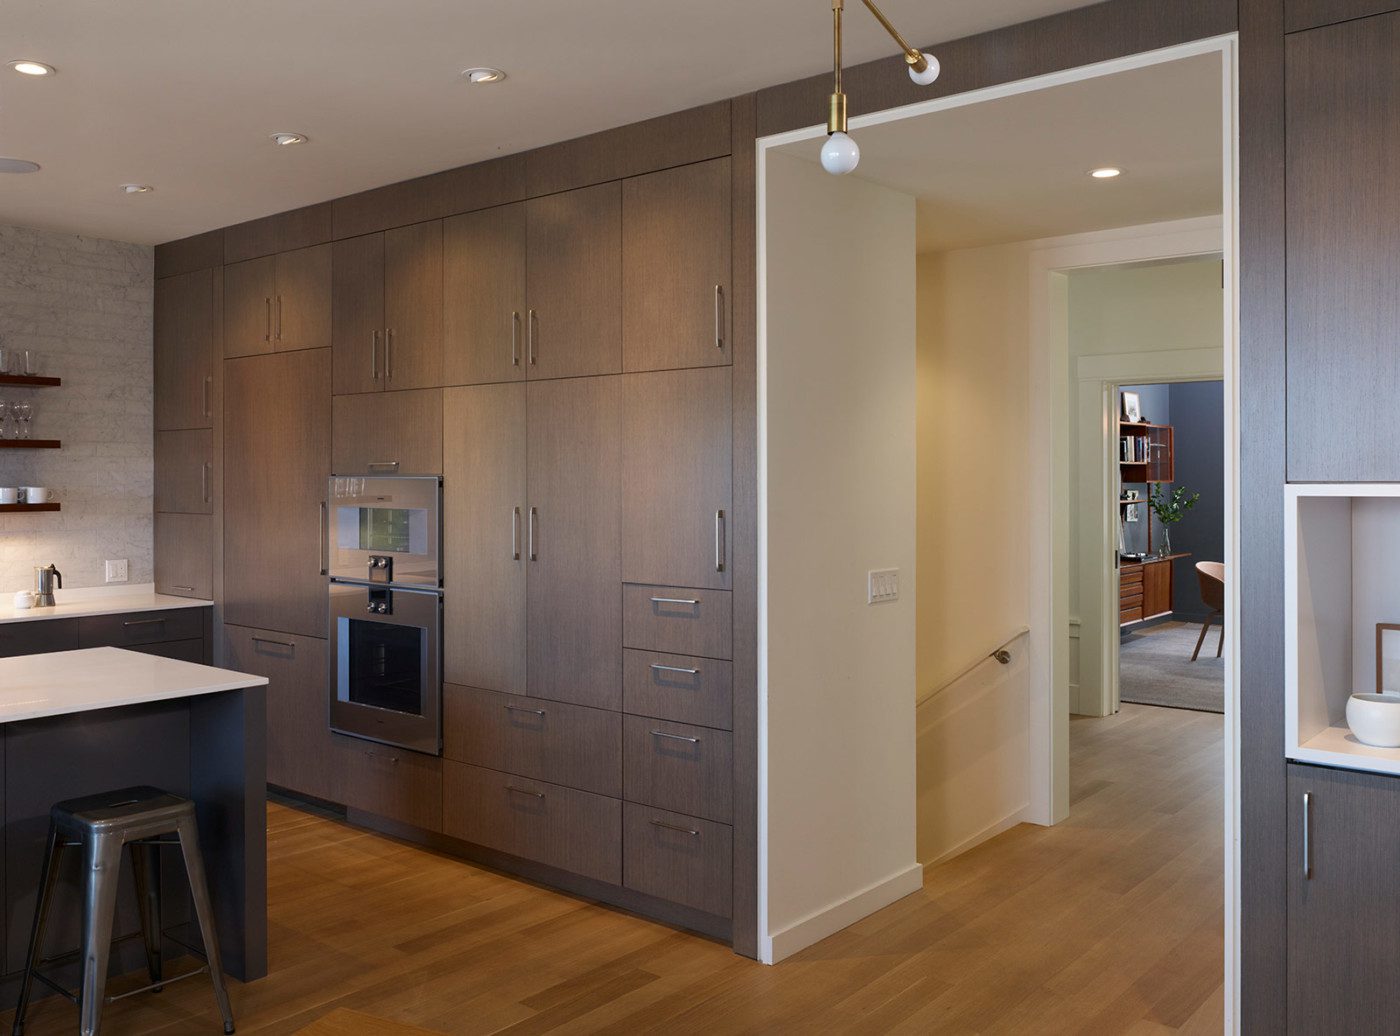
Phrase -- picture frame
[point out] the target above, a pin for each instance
(1132, 407)
(1130, 513)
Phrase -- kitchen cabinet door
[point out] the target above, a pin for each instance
(184, 555)
(184, 350)
(485, 545)
(413, 306)
(301, 304)
(278, 458)
(184, 471)
(249, 288)
(677, 478)
(675, 268)
(573, 541)
(1343, 922)
(387, 433)
(574, 280)
(484, 305)
(357, 313)
(1343, 90)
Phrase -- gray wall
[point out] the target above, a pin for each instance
(1198, 420)
(85, 307)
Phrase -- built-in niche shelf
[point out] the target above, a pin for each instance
(1341, 578)
(30, 444)
(31, 380)
(28, 508)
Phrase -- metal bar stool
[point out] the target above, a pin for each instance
(142, 818)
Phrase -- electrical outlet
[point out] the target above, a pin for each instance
(117, 571)
(882, 585)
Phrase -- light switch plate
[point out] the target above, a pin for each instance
(117, 571)
(882, 585)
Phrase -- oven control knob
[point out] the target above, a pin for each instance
(369, 608)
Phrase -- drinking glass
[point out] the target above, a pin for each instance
(4, 411)
(6, 354)
(31, 362)
(23, 412)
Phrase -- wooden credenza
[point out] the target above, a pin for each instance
(1145, 589)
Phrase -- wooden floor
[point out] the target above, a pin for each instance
(1108, 923)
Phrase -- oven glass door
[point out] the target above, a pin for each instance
(387, 650)
(385, 529)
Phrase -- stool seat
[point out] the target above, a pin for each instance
(112, 810)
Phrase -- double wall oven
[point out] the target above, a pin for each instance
(385, 615)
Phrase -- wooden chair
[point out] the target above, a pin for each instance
(1211, 576)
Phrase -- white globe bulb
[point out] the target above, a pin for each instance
(840, 154)
(928, 75)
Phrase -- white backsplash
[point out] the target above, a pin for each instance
(84, 305)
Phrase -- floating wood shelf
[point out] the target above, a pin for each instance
(26, 508)
(30, 444)
(32, 380)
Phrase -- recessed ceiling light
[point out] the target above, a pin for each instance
(483, 75)
(137, 188)
(286, 139)
(17, 165)
(1107, 172)
(32, 68)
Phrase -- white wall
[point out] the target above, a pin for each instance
(85, 306)
(837, 478)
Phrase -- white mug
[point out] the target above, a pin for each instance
(36, 495)
(24, 599)
(9, 495)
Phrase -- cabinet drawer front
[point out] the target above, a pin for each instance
(38, 637)
(575, 831)
(675, 857)
(184, 551)
(678, 767)
(141, 627)
(393, 783)
(184, 471)
(1130, 576)
(1132, 600)
(678, 687)
(677, 620)
(569, 745)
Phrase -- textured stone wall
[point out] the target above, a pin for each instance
(85, 307)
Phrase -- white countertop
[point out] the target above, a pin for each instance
(113, 600)
(32, 686)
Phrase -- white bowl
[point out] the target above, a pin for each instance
(1375, 718)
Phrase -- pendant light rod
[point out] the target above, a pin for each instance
(836, 114)
(913, 58)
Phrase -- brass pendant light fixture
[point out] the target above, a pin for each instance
(841, 154)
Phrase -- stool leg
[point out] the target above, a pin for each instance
(103, 871)
(53, 857)
(204, 911)
(145, 867)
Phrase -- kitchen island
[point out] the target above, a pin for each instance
(80, 722)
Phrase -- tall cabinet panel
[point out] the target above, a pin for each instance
(573, 541)
(248, 291)
(574, 325)
(1343, 95)
(278, 303)
(357, 313)
(484, 307)
(675, 268)
(413, 306)
(278, 457)
(677, 478)
(184, 351)
(486, 536)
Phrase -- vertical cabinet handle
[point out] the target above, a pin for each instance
(534, 519)
(204, 482)
(1307, 835)
(389, 354)
(515, 534)
(534, 322)
(208, 380)
(267, 323)
(515, 338)
(374, 354)
(719, 541)
(321, 538)
(279, 318)
(719, 316)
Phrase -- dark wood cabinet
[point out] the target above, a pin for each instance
(486, 532)
(277, 457)
(386, 309)
(248, 290)
(184, 552)
(678, 767)
(387, 433)
(573, 541)
(184, 351)
(484, 303)
(676, 268)
(184, 471)
(301, 303)
(302, 754)
(1308, 14)
(393, 783)
(677, 478)
(1343, 93)
(684, 859)
(574, 279)
(1343, 920)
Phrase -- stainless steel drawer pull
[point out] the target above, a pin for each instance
(275, 643)
(392, 465)
(144, 622)
(389, 354)
(515, 338)
(675, 737)
(658, 667)
(374, 354)
(321, 539)
(719, 316)
(279, 318)
(674, 600)
(524, 791)
(521, 708)
(1307, 835)
(534, 323)
(676, 827)
(208, 381)
(267, 333)
(379, 755)
(515, 534)
(204, 481)
(719, 541)
(534, 520)
(176, 586)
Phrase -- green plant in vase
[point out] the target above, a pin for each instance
(1170, 508)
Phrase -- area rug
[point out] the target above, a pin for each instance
(1155, 668)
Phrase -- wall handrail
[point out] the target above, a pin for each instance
(1001, 653)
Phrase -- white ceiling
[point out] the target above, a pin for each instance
(1015, 169)
(183, 94)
